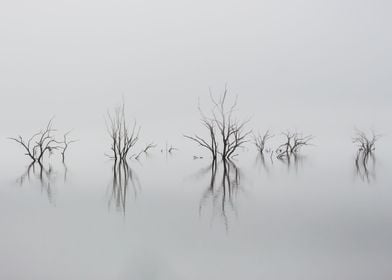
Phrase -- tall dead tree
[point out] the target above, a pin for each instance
(123, 138)
(226, 134)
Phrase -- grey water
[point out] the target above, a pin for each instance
(317, 217)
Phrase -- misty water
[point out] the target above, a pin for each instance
(314, 66)
(317, 217)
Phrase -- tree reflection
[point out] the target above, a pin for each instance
(37, 171)
(223, 188)
(365, 166)
(123, 178)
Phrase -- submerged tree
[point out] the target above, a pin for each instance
(260, 140)
(42, 143)
(39, 144)
(294, 142)
(366, 145)
(123, 138)
(226, 134)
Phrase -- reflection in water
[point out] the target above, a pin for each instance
(222, 193)
(264, 162)
(293, 161)
(365, 166)
(44, 175)
(123, 176)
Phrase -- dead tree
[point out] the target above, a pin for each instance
(226, 134)
(366, 145)
(123, 138)
(66, 142)
(294, 142)
(260, 141)
(39, 144)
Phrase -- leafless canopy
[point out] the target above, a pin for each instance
(123, 138)
(39, 144)
(294, 142)
(225, 132)
(261, 140)
(366, 146)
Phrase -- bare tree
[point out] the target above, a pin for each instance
(366, 146)
(294, 142)
(39, 144)
(261, 140)
(123, 138)
(226, 133)
(66, 142)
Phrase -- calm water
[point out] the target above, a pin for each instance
(180, 218)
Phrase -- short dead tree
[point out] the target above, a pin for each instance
(294, 142)
(39, 144)
(260, 140)
(366, 145)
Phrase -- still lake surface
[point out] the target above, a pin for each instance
(315, 218)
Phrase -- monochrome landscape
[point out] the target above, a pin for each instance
(195, 140)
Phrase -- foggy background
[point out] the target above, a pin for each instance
(322, 67)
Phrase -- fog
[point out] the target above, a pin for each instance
(317, 67)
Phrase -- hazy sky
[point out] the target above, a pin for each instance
(304, 64)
